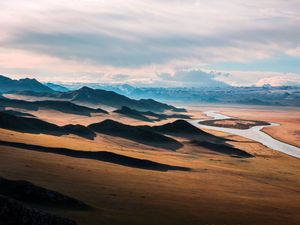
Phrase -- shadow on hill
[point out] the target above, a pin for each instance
(135, 114)
(61, 106)
(143, 116)
(135, 133)
(27, 192)
(100, 156)
(79, 130)
(223, 149)
(182, 128)
(36, 126)
(17, 113)
(30, 125)
(109, 127)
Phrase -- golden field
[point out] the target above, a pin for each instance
(219, 189)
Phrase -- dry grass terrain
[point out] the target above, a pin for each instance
(234, 123)
(289, 119)
(218, 190)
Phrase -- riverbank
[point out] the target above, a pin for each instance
(254, 133)
(287, 117)
(234, 123)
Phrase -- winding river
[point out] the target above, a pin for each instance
(253, 133)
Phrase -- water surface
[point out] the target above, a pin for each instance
(253, 133)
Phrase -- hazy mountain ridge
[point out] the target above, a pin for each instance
(26, 84)
(89, 96)
(249, 95)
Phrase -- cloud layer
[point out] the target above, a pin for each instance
(89, 39)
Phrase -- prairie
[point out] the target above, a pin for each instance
(219, 188)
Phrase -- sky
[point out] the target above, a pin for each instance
(152, 42)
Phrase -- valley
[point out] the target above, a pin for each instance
(106, 164)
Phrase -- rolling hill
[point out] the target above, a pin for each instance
(135, 133)
(37, 126)
(133, 114)
(62, 106)
(148, 116)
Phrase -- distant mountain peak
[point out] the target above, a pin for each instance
(85, 88)
(25, 84)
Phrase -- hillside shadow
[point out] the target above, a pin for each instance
(104, 156)
(37, 126)
(183, 129)
(136, 133)
(223, 149)
(27, 192)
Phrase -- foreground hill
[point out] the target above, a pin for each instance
(27, 192)
(37, 126)
(8, 85)
(148, 116)
(62, 106)
(135, 114)
(103, 156)
(109, 127)
(31, 125)
(179, 128)
(15, 213)
(138, 134)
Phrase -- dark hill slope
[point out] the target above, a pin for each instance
(138, 134)
(132, 113)
(36, 126)
(80, 130)
(104, 156)
(140, 115)
(30, 125)
(182, 128)
(223, 149)
(15, 213)
(179, 126)
(17, 113)
(62, 106)
(27, 192)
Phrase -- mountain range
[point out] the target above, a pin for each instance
(96, 97)
(26, 84)
(84, 95)
(249, 95)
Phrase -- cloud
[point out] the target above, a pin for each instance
(258, 78)
(280, 81)
(141, 38)
(189, 78)
(294, 52)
